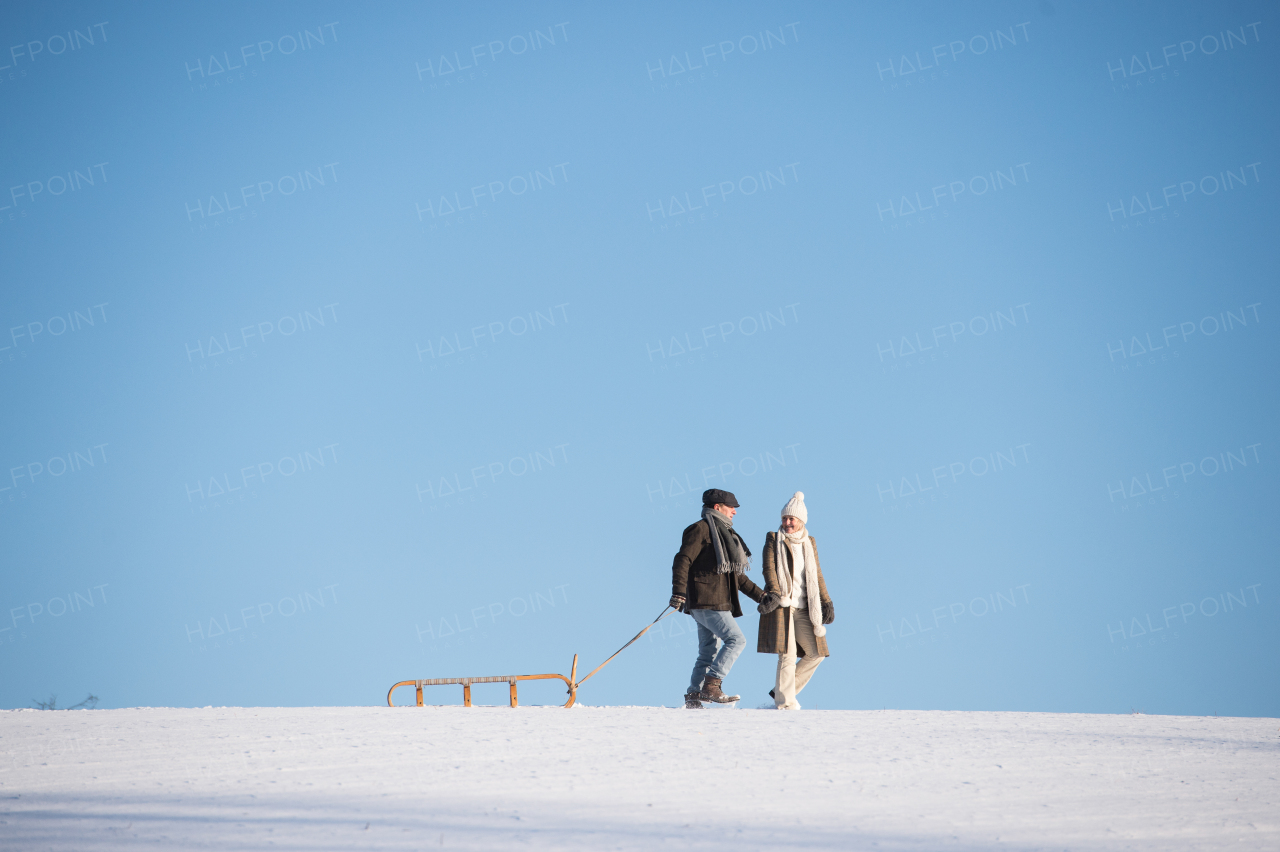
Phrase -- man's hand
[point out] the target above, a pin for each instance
(676, 603)
(770, 603)
(828, 612)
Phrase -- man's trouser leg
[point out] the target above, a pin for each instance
(720, 641)
(792, 677)
(706, 653)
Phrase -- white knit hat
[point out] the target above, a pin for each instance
(795, 508)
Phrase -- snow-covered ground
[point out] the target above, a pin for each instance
(329, 778)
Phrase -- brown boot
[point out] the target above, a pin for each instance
(691, 701)
(711, 692)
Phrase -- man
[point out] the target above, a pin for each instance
(706, 576)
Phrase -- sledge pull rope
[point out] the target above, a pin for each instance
(661, 616)
(571, 681)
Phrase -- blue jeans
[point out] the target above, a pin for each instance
(719, 644)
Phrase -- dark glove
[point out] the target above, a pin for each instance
(770, 603)
(828, 612)
(676, 603)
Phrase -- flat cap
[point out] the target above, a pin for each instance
(712, 496)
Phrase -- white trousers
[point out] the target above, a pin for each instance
(792, 677)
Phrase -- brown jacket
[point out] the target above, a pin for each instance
(774, 626)
(694, 577)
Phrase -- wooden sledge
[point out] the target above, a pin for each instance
(466, 682)
(571, 681)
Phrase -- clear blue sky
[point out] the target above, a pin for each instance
(344, 345)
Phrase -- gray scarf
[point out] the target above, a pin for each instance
(732, 554)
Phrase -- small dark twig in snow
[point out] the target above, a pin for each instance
(52, 703)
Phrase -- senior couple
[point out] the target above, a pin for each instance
(709, 571)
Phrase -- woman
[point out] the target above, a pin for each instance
(796, 605)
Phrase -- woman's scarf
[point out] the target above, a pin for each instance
(801, 548)
(732, 554)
